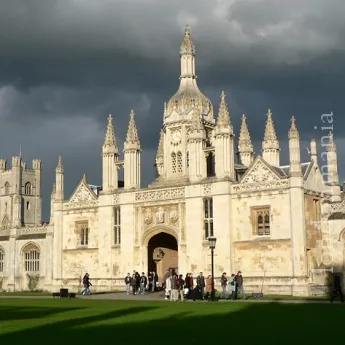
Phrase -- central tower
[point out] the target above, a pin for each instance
(188, 106)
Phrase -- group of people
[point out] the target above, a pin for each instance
(139, 284)
(177, 287)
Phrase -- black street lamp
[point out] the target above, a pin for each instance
(212, 243)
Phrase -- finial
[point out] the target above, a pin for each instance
(84, 178)
(223, 114)
(222, 96)
(59, 167)
(244, 117)
(132, 132)
(270, 133)
(187, 30)
(293, 132)
(109, 139)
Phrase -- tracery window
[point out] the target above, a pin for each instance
(7, 188)
(261, 221)
(208, 218)
(31, 259)
(173, 162)
(83, 232)
(179, 162)
(28, 188)
(117, 226)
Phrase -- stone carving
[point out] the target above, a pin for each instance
(173, 216)
(339, 206)
(158, 254)
(148, 218)
(83, 197)
(260, 172)
(32, 230)
(207, 189)
(116, 199)
(274, 185)
(82, 194)
(162, 194)
(160, 215)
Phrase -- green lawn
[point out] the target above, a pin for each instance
(74, 322)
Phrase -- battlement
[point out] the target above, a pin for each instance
(18, 162)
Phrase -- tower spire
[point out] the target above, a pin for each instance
(109, 139)
(270, 144)
(245, 146)
(294, 150)
(132, 132)
(270, 132)
(223, 114)
(293, 132)
(187, 55)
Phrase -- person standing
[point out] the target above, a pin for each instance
(200, 280)
(336, 288)
(208, 286)
(174, 288)
(154, 281)
(223, 283)
(232, 284)
(128, 280)
(143, 283)
(180, 287)
(134, 284)
(239, 285)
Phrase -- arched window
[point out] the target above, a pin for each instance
(28, 188)
(260, 225)
(7, 188)
(173, 162)
(27, 205)
(2, 259)
(179, 162)
(5, 223)
(31, 258)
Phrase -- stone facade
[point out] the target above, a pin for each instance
(282, 226)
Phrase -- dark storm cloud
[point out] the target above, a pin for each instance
(66, 64)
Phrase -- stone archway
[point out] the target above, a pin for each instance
(162, 253)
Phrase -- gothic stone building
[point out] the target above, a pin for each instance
(281, 223)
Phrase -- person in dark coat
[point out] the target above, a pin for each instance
(200, 280)
(134, 284)
(128, 280)
(336, 288)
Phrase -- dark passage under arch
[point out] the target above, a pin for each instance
(162, 254)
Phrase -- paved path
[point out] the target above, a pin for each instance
(159, 297)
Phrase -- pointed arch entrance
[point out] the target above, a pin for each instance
(162, 251)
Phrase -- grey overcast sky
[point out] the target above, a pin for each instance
(66, 64)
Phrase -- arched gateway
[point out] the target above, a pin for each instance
(162, 251)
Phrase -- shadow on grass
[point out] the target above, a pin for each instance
(199, 323)
(24, 313)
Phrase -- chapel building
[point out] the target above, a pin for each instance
(282, 226)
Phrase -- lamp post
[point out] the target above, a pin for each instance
(212, 243)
